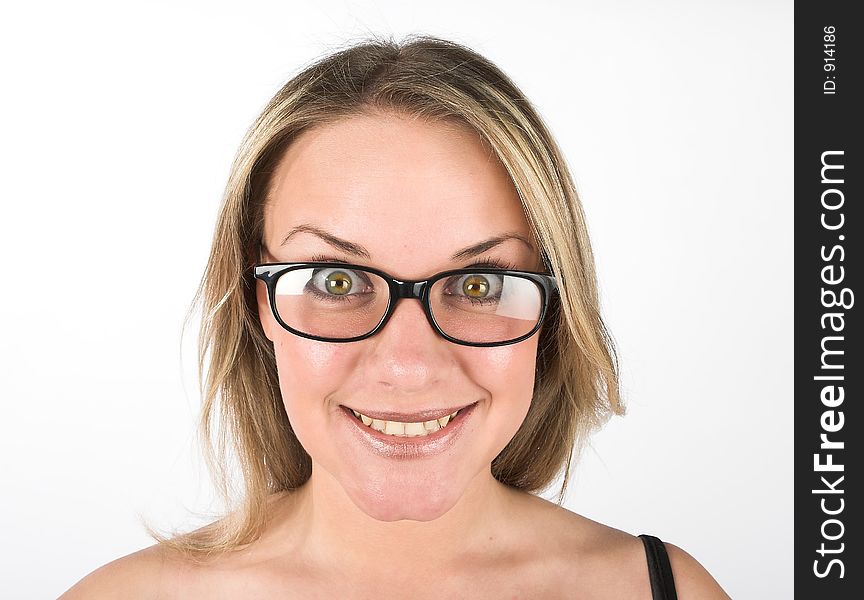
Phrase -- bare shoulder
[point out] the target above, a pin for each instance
(585, 558)
(609, 559)
(692, 580)
(143, 575)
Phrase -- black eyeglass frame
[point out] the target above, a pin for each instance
(269, 273)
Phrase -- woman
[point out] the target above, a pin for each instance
(404, 346)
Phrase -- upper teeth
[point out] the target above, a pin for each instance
(405, 429)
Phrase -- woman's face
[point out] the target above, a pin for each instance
(405, 195)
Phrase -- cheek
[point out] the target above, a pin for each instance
(309, 373)
(307, 362)
(507, 374)
(506, 367)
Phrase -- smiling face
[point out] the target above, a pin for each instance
(406, 195)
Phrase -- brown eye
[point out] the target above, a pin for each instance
(338, 283)
(475, 286)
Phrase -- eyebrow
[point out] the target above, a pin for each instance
(358, 250)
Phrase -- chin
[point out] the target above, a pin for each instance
(415, 499)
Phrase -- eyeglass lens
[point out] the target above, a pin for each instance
(341, 303)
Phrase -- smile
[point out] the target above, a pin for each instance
(406, 429)
(423, 437)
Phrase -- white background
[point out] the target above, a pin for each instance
(119, 123)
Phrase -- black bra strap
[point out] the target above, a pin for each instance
(659, 569)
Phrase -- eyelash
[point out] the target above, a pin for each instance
(324, 258)
(495, 263)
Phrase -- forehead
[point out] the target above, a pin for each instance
(410, 191)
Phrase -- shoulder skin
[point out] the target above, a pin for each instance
(692, 580)
(142, 575)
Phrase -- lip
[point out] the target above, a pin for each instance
(415, 417)
(401, 448)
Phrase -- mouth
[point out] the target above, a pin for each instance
(408, 425)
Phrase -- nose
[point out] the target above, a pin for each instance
(407, 354)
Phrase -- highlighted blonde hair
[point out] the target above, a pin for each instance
(243, 417)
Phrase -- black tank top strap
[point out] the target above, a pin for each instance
(659, 569)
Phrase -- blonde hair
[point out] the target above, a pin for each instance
(576, 384)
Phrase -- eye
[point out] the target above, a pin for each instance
(477, 288)
(338, 282)
(483, 287)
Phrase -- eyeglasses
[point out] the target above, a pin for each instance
(338, 302)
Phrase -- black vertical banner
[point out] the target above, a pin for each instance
(829, 370)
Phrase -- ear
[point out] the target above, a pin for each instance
(265, 315)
